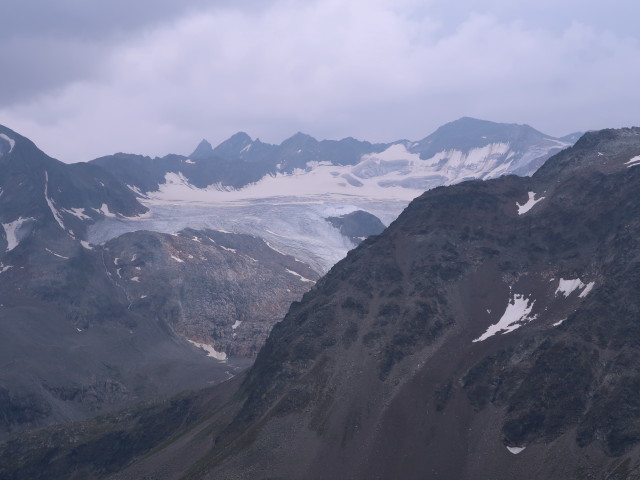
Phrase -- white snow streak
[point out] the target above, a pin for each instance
(633, 162)
(515, 315)
(12, 142)
(177, 259)
(4, 268)
(211, 352)
(522, 209)
(236, 324)
(52, 207)
(587, 289)
(77, 212)
(304, 279)
(56, 254)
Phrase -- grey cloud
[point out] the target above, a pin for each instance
(375, 69)
(45, 45)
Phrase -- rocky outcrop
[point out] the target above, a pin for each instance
(221, 290)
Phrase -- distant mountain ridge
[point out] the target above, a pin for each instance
(465, 149)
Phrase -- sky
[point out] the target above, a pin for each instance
(86, 78)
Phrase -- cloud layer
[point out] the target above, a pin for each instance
(158, 82)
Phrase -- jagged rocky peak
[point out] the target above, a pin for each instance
(234, 146)
(203, 150)
(469, 133)
(299, 140)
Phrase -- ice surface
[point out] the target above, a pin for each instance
(12, 142)
(515, 315)
(522, 209)
(296, 227)
(211, 352)
(289, 210)
(11, 229)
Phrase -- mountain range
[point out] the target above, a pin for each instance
(127, 277)
(491, 331)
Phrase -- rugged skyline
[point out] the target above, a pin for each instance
(85, 79)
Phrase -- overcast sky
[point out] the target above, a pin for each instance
(85, 78)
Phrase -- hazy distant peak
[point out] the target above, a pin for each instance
(203, 150)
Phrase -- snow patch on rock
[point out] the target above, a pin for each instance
(516, 450)
(633, 162)
(10, 230)
(522, 209)
(211, 351)
(515, 315)
(304, 279)
(567, 287)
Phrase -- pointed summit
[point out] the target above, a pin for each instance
(233, 146)
(203, 150)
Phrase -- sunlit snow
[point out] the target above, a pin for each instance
(515, 315)
(177, 259)
(236, 324)
(522, 209)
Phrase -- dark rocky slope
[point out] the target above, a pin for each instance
(482, 335)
